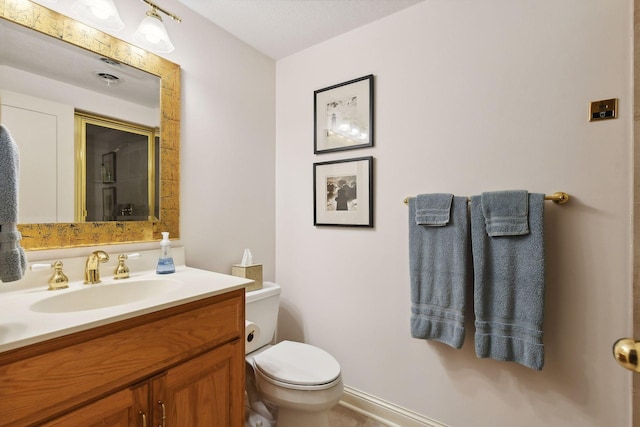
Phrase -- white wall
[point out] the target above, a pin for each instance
(227, 135)
(228, 146)
(46, 165)
(470, 97)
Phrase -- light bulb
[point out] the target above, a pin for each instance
(100, 9)
(100, 13)
(152, 35)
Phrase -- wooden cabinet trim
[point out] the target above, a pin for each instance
(22, 353)
(124, 407)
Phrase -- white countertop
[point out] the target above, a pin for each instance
(21, 324)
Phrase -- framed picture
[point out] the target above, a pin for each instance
(108, 203)
(343, 192)
(343, 116)
(108, 167)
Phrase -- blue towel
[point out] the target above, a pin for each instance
(13, 261)
(439, 267)
(506, 212)
(509, 284)
(433, 209)
(9, 165)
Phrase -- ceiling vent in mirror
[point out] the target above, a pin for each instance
(109, 78)
(110, 61)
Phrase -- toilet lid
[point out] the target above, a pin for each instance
(298, 363)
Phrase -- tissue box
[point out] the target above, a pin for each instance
(253, 272)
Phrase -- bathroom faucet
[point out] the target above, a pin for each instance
(92, 267)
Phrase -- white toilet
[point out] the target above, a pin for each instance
(303, 381)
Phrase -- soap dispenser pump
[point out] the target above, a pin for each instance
(165, 262)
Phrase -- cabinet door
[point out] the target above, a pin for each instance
(205, 391)
(125, 408)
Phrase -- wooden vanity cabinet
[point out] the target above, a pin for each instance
(125, 408)
(195, 393)
(198, 392)
(185, 362)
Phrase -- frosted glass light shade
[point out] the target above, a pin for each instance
(152, 35)
(100, 13)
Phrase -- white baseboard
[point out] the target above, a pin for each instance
(382, 411)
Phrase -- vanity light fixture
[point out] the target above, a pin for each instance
(100, 13)
(151, 33)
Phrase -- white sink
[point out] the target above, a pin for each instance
(92, 297)
(29, 313)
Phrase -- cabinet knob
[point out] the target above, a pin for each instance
(625, 351)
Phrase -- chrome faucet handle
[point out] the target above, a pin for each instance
(122, 271)
(92, 267)
(58, 279)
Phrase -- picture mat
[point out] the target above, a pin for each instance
(358, 168)
(350, 103)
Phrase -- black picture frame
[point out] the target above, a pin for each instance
(343, 116)
(108, 167)
(343, 193)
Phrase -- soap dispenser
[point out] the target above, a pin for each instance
(165, 263)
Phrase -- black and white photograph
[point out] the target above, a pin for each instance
(344, 116)
(343, 192)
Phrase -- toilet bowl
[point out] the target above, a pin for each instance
(303, 381)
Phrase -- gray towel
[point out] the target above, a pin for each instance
(506, 212)
(439, 261)
(433, 209)
(13, 261)
(9, 166)
(509, 286)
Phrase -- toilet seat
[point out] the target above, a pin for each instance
(298, 366)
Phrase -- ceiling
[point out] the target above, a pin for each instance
(279, 28)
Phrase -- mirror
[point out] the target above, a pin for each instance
(116, 173)
(45, 94)
(69, 234)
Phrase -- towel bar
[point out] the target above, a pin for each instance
(559, 197)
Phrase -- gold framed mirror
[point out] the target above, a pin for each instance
(65, 235)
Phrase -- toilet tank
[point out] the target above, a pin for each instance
(262, 309)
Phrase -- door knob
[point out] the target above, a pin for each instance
(626, 351)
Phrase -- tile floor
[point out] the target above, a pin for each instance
(343, 417)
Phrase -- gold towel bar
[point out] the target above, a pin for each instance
(560, 198)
